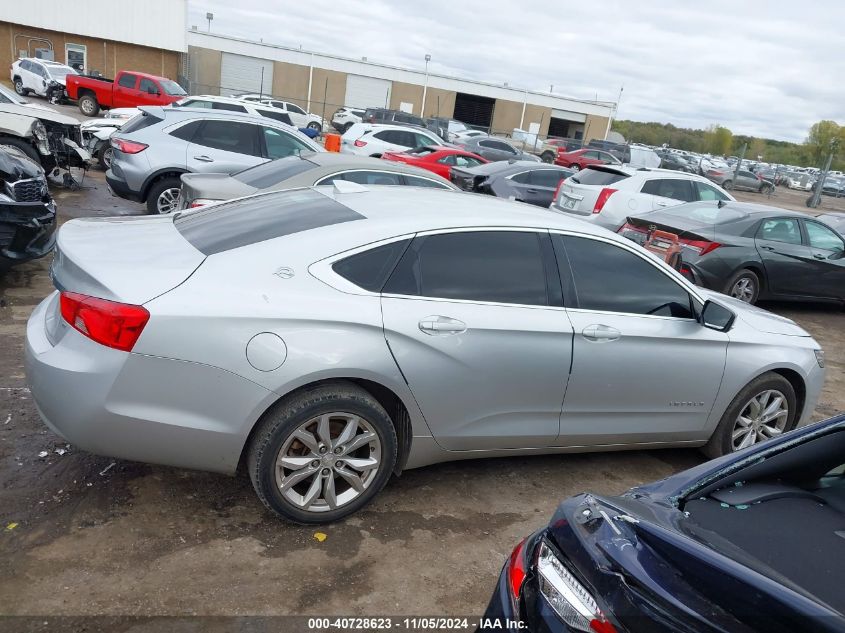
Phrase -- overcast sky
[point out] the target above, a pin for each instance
(767, 69)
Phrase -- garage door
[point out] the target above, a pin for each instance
(367, 92)
(240, 75)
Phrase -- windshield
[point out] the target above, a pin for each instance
(7, 96)
(171, 87)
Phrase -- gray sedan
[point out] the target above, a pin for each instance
(494, 149)
(325, 338)
(305, 170)
(743, 179)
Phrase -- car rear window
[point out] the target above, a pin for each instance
(223, 227)
(274, 172)
(139, 122)
(600, 177)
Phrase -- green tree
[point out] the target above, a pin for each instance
(718, 140)
(821, 138)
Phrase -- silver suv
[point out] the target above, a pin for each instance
(154, 149)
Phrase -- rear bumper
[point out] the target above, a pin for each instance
(137, 407)
(119, 187)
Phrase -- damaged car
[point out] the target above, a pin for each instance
(27, 212)
(51, 139)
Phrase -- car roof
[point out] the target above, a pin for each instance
(187, 112)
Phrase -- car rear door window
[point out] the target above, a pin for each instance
(230, 136)
(280, 116)
(127, 80)
(823, 238)
(493, 266)
(784, 230)
(280, 144)
(608, 278)
(524, 178)
(708, 192)
(295, 108)
(185, 132)
(547, 177)
(673, 188)
(370, 269)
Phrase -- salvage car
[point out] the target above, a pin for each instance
(436, 158)
(47, 137)
(27, 211)
(534, 183)
(750, 251)
(324, 338)
(749, 542)
(304, 170)
(153, 150)
(129, 89)
(42, 77)
(799, 180)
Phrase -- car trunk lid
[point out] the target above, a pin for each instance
(580, 192)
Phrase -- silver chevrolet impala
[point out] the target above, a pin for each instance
(324, 338)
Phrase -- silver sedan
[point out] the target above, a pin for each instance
(324, 338)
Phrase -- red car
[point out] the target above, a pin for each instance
(438, 159)
(581, 158)
(127, 90)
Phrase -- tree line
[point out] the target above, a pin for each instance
(823, 137)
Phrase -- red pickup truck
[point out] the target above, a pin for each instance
(127, 90)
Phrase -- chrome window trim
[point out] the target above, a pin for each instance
(374, 169)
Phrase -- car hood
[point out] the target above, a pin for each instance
(14, 166)
(759, 319)
(37, 112)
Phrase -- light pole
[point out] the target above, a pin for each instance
(209, 16)
(425, 84)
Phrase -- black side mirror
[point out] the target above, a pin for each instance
(717, 317)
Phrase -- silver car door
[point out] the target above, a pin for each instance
(223, 146)
(471, 318)
(643, 368)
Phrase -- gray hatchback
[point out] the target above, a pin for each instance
(151, 151)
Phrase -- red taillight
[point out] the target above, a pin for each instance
(602, 626)
(517, 569)
(360, 143)
(604, 196)
(702, 246)
(127, 147)
(557, 189)
(113, 324)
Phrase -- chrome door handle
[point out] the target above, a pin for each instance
(662, 204)
(819, 256)
(203, 158)
(767, 248)
(438, 325)
(601, 333)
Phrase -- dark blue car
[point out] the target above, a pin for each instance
(753, 541)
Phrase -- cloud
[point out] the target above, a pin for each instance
(767, 69)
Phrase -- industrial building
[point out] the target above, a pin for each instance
(152, 36)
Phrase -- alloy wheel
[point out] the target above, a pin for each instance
(168, 200)
(744, 289)
(19, 87)
(107, 157)
(328, 462)
(763, 417)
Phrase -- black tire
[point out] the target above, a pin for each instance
(23, 146)
(19, 87)
(753, 283)
(547, 157)
(88, 105)
(721, 442)
(287, 417)
(104, 155)
(728, 184)
(157, 190)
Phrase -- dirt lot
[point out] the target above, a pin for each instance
(98, 537)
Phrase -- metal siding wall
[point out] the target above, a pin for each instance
(367, 92)
(239, 75)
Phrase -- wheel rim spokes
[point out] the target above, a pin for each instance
(168, 200)
(328, 461)
(762, 417)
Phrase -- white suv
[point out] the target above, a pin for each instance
(236, 105)
(607, 194)
(300, 117)
(373, 139)
(34, 75)
(345, 117)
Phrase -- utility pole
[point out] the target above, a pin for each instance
(209, 16)
(814, 200)
(612, 114)
(739, 162)
(425, 85)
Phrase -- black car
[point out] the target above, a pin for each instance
(534, 183)
(27, 212)
(383, 115)
(751, 251)
(671, 160)
(749, 542)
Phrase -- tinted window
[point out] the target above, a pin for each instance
(547, 177)
(373, 177)
(229, 136)
(370, 269)
(609, 278)
(195, 103)
(139, 123)
(149, 86)
(414, 181)
(780, 230)
(273, 172)
(231, 107)
(708, 192)
(669, 188)
(599, 177)
(498, 266)
(280, 144)
(295, 108)
(283, 117)
(26, 64)
(823, 238)
(423, 140)
(222, 227)
(187, 131)
(127, 80)
(524, 178)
